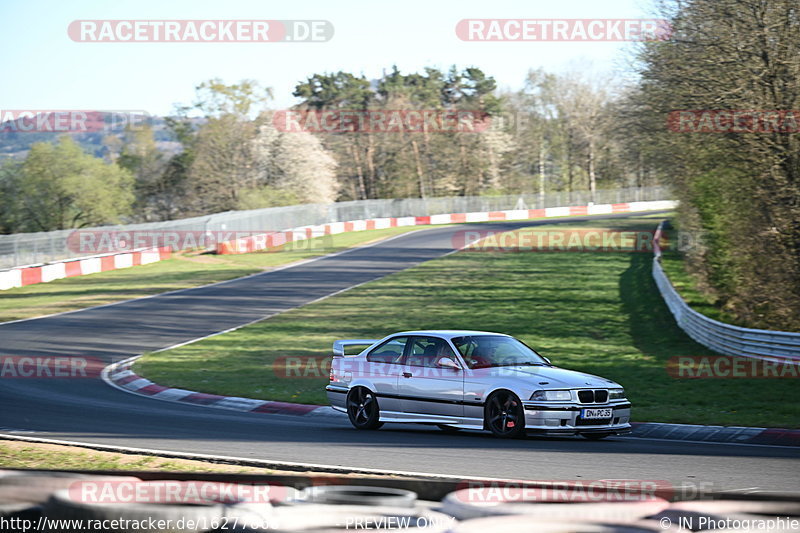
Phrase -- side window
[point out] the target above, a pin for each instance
(390, 351)
(464, 346)
(425, 351)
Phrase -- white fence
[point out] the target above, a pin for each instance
(36, 248)
(723, 338)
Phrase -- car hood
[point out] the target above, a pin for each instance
(555, 378)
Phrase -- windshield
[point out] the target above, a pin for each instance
(486, 351)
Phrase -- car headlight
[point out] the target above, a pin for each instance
(551, 395)
(616, 394)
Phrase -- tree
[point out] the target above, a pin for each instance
(9, 195)
(345, 91)
(239, 99)
(290, 168)
(139, 155)
(221, 165)
(739, 189)
(585, 108)
(341, 90)
(536, 128)
(404, 163)
(61, 187)
(170, 193)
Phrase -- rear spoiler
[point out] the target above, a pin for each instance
(339, 346)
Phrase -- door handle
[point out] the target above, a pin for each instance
(406, 374)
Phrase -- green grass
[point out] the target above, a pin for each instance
(180, 272)
(596, 312)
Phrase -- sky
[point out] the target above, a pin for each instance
(44, 69)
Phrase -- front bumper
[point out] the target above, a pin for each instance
(566, 419)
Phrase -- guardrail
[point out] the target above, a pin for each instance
(123, 257)
(254, 243)
(724, 338)
(45, 247)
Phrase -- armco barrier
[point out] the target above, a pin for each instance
(724, 338)
(31, 274)
(28, 275)
(46, 247)
(269, 240)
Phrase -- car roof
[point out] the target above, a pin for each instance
(447, 333)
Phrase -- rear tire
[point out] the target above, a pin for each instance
(504, 415)
(362, 409)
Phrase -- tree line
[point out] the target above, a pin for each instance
(553, 135)
(738, 189)
(738, 186)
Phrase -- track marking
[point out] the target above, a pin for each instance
(105, 374)
(543, 221)
(276, 269)
(656, 439)
(244, 461)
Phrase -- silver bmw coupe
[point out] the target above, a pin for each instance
(471, 380)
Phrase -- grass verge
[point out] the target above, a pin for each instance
(687, 284)
(180, 272)
(596, 312)
(18, 454)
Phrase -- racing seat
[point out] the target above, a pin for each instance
(479, 359)
(426, 358)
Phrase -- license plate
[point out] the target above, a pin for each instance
(597, 413)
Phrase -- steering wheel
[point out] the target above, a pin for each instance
(479, 362)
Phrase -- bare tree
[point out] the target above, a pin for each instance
(585, 106)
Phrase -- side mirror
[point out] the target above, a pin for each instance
(446, 362)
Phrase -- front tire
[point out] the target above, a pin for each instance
(362, 409)
(504, 415)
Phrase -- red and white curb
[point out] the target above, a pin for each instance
(263, 241)
(32, 274)
(68, 268)
(120, 376)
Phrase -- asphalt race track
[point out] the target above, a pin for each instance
(91, 411)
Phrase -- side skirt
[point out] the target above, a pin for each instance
(418, 418)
